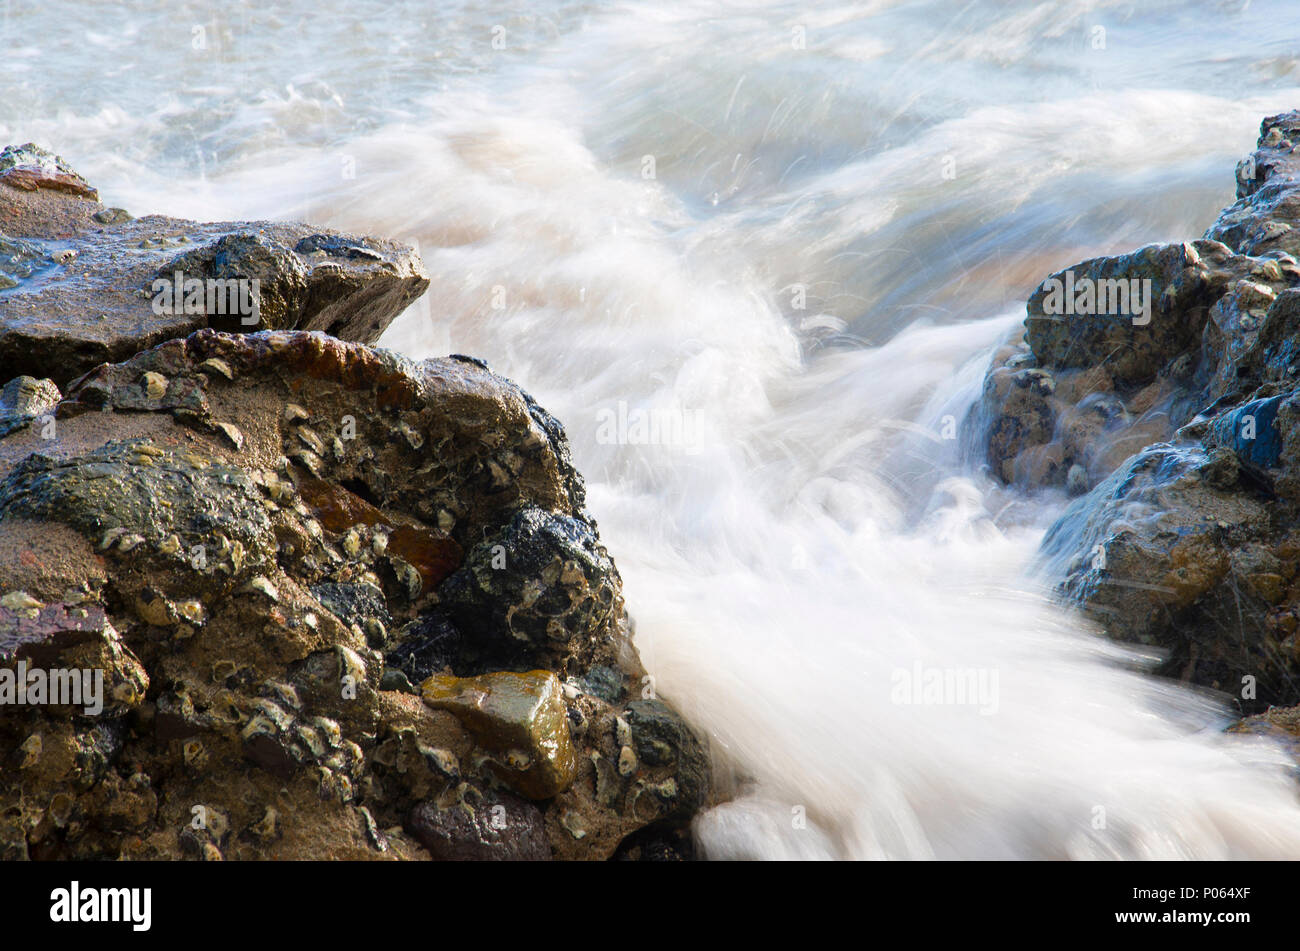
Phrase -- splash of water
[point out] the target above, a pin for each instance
(802, 288)
(777, 569)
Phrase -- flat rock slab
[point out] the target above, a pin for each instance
(26, 630)
(82, 284)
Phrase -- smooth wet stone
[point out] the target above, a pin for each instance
(113, 216)
(505, 830)
(20, 259)
(1250, 431)
(518, 716)
(1163, 552)
(393, 679)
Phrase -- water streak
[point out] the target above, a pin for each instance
(813, 267)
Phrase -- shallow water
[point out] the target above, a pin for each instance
(794, 236)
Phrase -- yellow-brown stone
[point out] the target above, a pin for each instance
(518, 717)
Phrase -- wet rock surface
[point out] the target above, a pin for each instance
(344, 605)
(552, 604)
(77, 279)
(503, 829)
(31, 168)
(518, 718)
(1178, 435)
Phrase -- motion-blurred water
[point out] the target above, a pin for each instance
(797, 231)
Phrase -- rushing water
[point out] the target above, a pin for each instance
(794, 232)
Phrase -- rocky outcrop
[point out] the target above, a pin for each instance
(1263, 220)
(82, 284)
(1178, 432)
(1076, 395)
(1176, 550)
(339, 605)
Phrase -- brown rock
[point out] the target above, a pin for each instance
(234, 687)
(521, 717)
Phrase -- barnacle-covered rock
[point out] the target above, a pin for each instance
(1220, 320)
(1181, 281)
(427, 645)
(661, 738)
(541, 591)
(74, 653)
(253, 602)
(1091, 389)
(145, 491)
